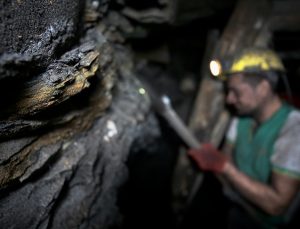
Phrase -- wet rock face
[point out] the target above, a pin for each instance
(70, 113)
(33, 33)
(73, 182)
(23, 21)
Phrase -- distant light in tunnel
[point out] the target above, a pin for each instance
(142, 91)
(215, 68)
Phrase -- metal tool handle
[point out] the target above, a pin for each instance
(176, 123)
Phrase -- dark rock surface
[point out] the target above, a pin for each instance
(23, 21)
(71, 113)
(75, 128)
(73, 182)
(33, 33)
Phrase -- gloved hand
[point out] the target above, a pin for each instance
(208, 158)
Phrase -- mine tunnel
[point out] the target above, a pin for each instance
(102, 102)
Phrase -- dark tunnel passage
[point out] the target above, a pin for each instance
(101, 102)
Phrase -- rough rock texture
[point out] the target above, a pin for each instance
(73, 182)
(25, 28)
(71, 113)
(35, 32)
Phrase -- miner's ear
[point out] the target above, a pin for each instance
(263, 88)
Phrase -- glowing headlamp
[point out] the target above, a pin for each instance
(215, 67)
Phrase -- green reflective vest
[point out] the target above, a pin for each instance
(255, 146)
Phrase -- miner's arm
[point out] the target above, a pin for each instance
(273, 198)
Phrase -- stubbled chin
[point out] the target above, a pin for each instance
(241, 111)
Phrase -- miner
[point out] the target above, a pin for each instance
(260, 158)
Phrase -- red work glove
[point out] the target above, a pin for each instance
(208, 158)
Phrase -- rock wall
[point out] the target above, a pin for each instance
(75, 122)
(71, 112)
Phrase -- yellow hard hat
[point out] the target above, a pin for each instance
(250, 60)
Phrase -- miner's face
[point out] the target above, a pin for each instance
(245, 98)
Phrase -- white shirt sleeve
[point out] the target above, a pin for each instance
(286, 157)
(231, 134)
